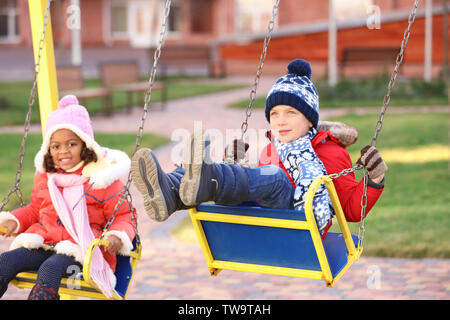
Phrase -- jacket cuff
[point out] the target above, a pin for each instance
(375, 185)
(6, 215)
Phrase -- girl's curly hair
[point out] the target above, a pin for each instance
(87, 155)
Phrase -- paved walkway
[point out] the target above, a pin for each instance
(170, 269)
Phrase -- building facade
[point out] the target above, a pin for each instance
(236, 29)
(134, 23)
(302, 31)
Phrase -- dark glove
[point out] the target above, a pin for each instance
(347, 135)
(235, 151)
(371, 159)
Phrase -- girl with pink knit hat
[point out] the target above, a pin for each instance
(75, 192)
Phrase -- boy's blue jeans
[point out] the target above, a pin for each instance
(267, 184)
(271, 186)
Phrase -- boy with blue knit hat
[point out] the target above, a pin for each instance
(292, 109)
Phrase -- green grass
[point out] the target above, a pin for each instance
(411, 218)
(10, 148)
(14, 97)
(400, 130)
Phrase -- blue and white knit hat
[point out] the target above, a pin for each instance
(296, 90)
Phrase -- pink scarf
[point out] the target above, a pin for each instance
(72, 210)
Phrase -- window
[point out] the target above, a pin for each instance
(201, 12)
(174, 24)
(9, 20)
(119, 18)
(253, 15)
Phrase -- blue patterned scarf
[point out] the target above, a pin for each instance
(303, 165)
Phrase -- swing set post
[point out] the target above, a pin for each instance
(45, 64)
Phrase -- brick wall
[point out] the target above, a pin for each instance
(302, 11)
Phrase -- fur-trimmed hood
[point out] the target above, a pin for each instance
(104, 172)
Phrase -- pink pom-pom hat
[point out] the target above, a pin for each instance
(69, 115)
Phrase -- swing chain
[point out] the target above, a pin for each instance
(399, 60)
(345, 172)
(262, 58)
(379, 125)
(156, 56)
(362, 228)
(31, 100)
(126, 194)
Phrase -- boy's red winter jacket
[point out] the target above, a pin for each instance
(335, 158)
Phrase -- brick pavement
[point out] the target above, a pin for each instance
(177, 270)
(170, 269)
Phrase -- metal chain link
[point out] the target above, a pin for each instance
(126, 194)
(31, 100)
(345, 172)
(248, 111)
(156, 56)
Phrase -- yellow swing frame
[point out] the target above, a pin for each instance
(353, 253)
(48, 101)
(71, 288)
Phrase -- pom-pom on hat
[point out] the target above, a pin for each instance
(295, 89)
(69, 115)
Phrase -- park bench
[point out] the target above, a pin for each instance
(365, 56)
(123, 76)
(70, 81)
(183, 57)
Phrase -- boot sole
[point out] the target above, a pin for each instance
(193, 160)
(145, 176)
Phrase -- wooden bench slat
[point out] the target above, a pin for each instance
(70, 81)
(89, 93)
(369, 55)
(137, 86)
(190, 55)
(124, 76)
(366, 57)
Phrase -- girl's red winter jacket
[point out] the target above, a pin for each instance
(39, 225)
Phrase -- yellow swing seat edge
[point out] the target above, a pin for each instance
(310, 224)
(83, 287)
(26, 280)
(134, 255)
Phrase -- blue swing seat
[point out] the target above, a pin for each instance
(274, 241)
